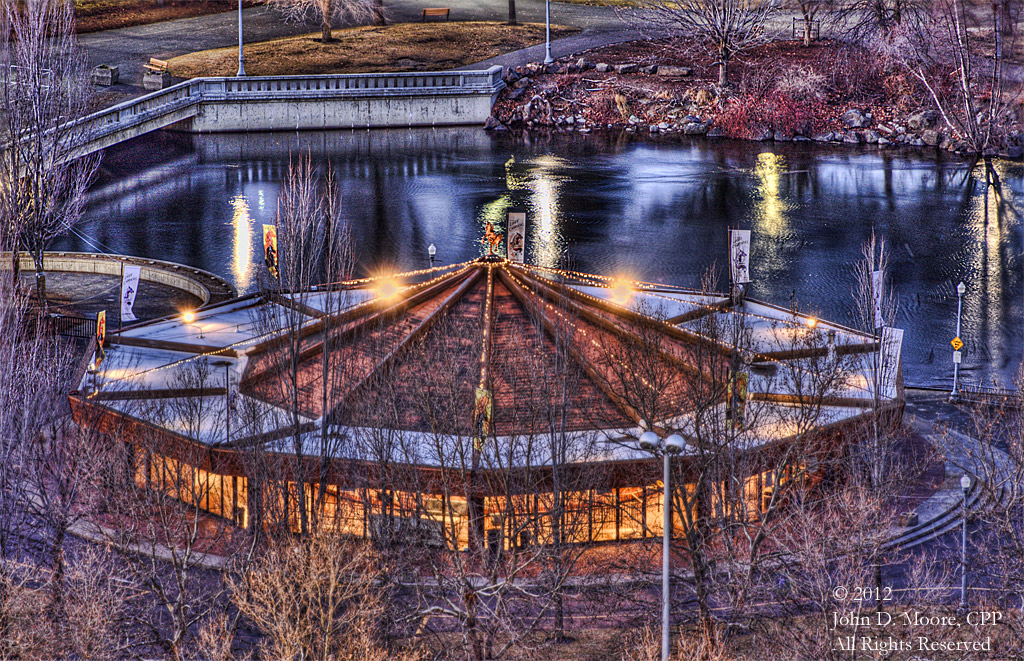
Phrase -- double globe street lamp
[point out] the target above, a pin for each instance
(671, 446)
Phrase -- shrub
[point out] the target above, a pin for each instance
(802, 84)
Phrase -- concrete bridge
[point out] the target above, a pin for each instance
(290, 103)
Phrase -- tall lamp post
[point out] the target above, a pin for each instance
(672, 445)
(965, 486)
(241, 67)
(547, 39)
(961, 289)
(432, 253)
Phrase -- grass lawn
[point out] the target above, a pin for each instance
(401, 47)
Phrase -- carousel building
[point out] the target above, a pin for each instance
(421, 396)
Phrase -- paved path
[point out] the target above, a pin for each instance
(130, 47)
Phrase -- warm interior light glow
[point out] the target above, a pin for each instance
(621, 291)
(811, 322)
(188, 317)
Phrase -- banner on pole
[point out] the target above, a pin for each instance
(101, 328)
(892, 346)
(516, 231)
(876, 297)
(129, 288)
(270, 249)
(739, 256)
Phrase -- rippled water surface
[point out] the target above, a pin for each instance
(607, 205)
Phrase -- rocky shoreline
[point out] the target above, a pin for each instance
(584, 95)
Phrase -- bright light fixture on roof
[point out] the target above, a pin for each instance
(620, 291)
(188, 317)
(387, 288)
(812, 322)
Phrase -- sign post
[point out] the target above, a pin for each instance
(957, 343)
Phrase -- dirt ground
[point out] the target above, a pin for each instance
(400, 47)
(96, 15)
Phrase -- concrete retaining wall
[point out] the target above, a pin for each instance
(203, 285)
(273, 103)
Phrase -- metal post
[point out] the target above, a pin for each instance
(960, 289)
(241, 59)
(120, 309)
(965, 486)
(547, 43)
(666, 535)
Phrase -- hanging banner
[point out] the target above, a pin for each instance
(483, 409)
(735, 408)
(876, 296)
(892, 346)
(739, 256)
(101, 328)
(516, 230)
(270, 249)
(129, 288)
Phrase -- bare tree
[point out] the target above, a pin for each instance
(330, 12)
(302, 367)
(158, 495)
(44, 89)
(810, 11)
(316, 597)
(874, 22)
(722, 29)
(965, 79)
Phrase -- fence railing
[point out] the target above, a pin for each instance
(71, 326)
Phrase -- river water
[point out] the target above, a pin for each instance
(654, 211)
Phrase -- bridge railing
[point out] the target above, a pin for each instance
(194, 92)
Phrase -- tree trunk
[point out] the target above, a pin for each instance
(807, 31)
(325, 30)
(378, 13)
(723, 70)
(37, 259)
(1006, 18)
(512, 13)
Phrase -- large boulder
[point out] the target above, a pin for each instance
(856, 119)
(628, 68)
(695, 128)
(931, 137)
(922, 119)
(673, 72)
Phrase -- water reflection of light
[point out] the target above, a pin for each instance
(770, 217)
(546, 236)
(984, 304)
(241, 262)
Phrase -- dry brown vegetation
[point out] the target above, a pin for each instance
(401, 47)
(96, 15)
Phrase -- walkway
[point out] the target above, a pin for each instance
(129, 48)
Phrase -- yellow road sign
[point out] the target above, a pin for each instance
(957, 343)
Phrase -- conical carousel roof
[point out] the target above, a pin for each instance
(516, 349)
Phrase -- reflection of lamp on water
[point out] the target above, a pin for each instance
(189, 319)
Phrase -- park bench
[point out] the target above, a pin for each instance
(156, 77)
(435, 11)
(156, 66)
